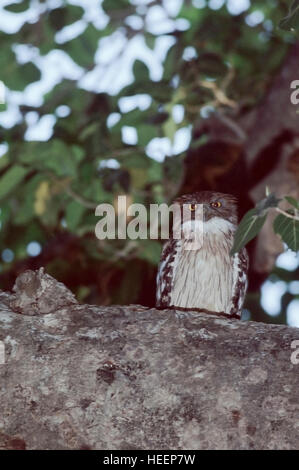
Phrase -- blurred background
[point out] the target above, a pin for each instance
(148, 99)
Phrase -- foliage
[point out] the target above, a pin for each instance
(49, 189)
(286, 224)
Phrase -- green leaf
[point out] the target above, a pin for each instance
(55, 155)
(4, 161)
(146, 132)
(288, 229)
(62, 164)
(62, 16)
(170, 63)
(73, 214)
(155, 173)
(78, 153)
(94, 191)
(159, 91)
(292, 201)
(150, 40)
(140, 71)
(66, 92)
(83, 48)
(11, 179)
(248, 228)
(132, 118)
(5, 216)
(17, 76)
(136, 160)
(109, 5)
(18, 7)
(89, 130)
(26, 209)
(27, 73)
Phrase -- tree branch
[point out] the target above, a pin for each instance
(126, 377)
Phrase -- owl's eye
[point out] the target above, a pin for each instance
(192, 207)
(216, 204)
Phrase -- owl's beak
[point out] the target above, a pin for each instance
(207, 212)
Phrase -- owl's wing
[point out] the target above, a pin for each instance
(166, 273)
(240, 282)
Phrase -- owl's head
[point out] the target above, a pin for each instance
(213, 204)
(204, 215)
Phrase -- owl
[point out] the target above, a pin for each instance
(207, 276)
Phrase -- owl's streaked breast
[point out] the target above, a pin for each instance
(203, 278)
(209, 277)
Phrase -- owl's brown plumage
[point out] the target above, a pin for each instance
(207, 277)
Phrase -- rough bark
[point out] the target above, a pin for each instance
(127, 377)
(276, 112)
